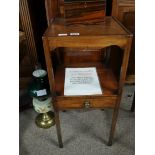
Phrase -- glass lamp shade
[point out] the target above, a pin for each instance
(42, 106)
(39, 86)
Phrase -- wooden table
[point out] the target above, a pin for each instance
(92, 34)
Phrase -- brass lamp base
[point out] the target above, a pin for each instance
(45, 120)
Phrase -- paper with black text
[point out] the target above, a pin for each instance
(81, 81)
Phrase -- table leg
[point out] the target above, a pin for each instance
(57, 122)
(113, 125)
(114, 120)
(121, 83)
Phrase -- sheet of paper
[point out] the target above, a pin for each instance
(81, 81)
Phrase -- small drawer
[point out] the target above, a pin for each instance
(85, 103)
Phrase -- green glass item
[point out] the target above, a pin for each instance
(39, 87)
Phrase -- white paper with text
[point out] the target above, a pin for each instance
(81, 81)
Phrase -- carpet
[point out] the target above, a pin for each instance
(83, 132)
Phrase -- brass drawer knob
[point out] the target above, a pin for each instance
(87, 104)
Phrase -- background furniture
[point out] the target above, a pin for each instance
(75, 11)
(32, 22)
(29, 60)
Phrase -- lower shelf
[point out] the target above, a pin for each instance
(107, 79)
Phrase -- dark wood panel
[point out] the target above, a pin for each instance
(84, 10)
(52, 9)
(71, 56)
(32, 21)
(28, 29)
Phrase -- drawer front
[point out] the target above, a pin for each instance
(84, 10)
(87, 103)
